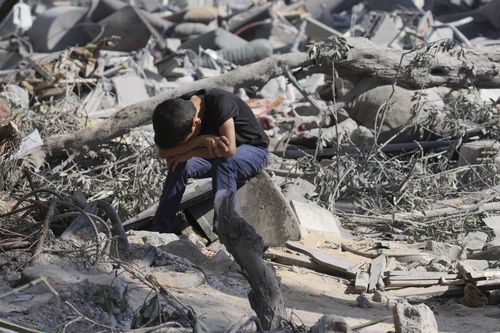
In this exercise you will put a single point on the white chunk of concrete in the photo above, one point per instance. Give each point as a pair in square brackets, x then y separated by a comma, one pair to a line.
[312, 217]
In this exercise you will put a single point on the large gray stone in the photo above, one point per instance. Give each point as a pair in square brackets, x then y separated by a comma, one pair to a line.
[398, 114]
[414, 318]
[261, 203]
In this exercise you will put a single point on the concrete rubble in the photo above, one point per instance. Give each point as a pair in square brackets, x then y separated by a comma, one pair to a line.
[379, 206]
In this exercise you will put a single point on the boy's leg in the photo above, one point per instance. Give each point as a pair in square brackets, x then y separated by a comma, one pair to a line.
[173, 189]
[248, 162]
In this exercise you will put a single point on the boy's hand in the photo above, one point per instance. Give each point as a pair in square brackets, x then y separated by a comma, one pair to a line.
[174, 161]
[218, 145]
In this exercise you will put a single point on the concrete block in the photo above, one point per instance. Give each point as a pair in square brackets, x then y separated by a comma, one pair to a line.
[130, 89]
[312, 217]
[475, 241]
[300, 190]
[414, 318]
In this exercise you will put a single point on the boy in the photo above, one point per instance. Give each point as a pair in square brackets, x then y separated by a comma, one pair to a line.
[210, 133]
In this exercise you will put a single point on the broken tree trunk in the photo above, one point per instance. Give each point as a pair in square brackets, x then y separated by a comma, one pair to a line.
[417, 69]
[365, 64]
[247, 248]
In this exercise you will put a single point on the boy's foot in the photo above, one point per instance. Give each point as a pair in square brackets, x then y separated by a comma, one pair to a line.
[209, 253]
[213, 249]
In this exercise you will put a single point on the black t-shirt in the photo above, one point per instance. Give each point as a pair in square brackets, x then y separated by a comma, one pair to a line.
[220, 106]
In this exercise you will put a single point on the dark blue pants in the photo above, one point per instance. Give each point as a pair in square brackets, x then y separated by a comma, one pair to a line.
[248, 162]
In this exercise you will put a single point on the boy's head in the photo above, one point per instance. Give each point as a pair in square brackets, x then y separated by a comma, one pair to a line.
[174, 121]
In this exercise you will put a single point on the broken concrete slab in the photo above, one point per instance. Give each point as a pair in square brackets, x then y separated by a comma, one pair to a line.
[493, 222]
[130, 90]
[474, 241]
[265, 208]
[453, 252]
[361, 282]
[179, 280]
[299, 190]
[414, 318]
[312, 217]
[152, 238]
[326, 259]
[57, 28]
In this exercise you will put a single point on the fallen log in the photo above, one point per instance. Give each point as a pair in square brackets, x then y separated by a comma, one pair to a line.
[421, 68]
[247, 248]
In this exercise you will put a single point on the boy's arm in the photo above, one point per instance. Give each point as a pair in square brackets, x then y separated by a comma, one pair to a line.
[211, 142]
[227, 134]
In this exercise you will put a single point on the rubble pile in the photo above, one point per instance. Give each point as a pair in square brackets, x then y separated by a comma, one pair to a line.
[379, 206]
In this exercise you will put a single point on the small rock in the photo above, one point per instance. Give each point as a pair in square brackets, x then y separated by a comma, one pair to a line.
[380, 297]
[414, 318]
[435, 267]
[179, 280]
[494, 297]
[473, 297]
[331, 324]
[153, 238]
[364, 302]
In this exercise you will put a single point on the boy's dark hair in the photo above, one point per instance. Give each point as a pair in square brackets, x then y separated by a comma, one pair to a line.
[173, 121]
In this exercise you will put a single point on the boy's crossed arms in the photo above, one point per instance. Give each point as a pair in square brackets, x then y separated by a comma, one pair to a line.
[204, 146]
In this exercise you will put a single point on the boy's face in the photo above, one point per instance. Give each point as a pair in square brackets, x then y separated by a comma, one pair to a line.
[195, 128]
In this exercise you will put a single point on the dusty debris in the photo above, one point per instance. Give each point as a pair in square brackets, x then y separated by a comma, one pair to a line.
[382, 177]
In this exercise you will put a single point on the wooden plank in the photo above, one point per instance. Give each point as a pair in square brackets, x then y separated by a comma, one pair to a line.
[422, 283]
[420, 276]
[348, 248]
[433, 291]
[290, 259]
[324, 259]
[377, 269]
[486, 275]
[489, 284]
